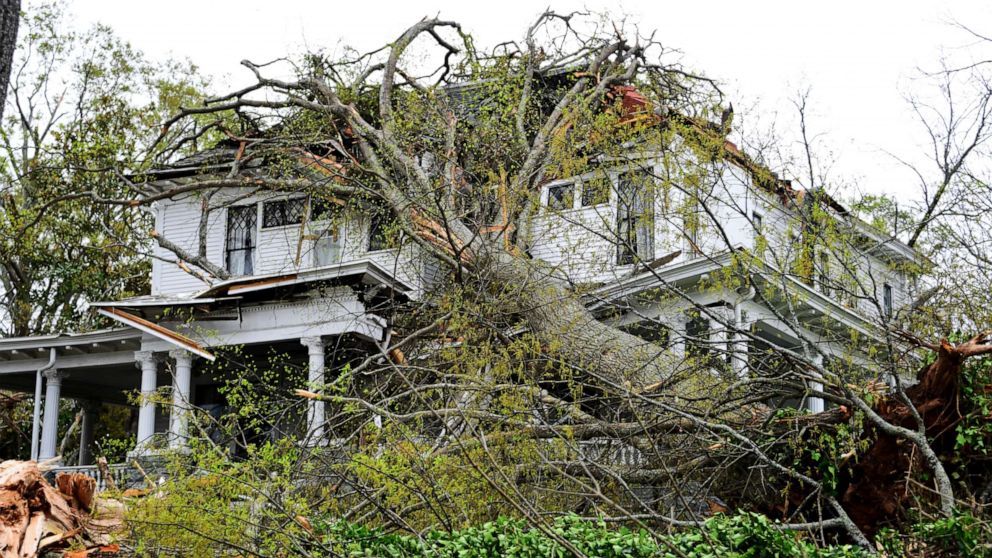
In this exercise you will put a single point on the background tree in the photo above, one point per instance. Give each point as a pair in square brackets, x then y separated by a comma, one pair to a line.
[10, 14]
[81, 107]
[80, 103]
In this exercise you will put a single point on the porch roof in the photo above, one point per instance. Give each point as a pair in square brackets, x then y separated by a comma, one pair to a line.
[363, 271]
[813, 302]
[98, 362]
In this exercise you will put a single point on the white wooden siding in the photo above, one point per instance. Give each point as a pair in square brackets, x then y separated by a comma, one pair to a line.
[179, 221]
[278, 249]
[580, 241]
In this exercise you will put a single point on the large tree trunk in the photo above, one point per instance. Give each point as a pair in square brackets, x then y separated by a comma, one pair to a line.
[10, 14]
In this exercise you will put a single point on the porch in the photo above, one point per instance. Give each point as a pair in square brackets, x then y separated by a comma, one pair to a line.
[170, 342]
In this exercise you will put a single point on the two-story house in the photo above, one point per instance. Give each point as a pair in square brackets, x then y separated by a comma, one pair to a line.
[307, 273]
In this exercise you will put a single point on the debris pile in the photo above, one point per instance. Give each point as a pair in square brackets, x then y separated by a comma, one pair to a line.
[36, 517]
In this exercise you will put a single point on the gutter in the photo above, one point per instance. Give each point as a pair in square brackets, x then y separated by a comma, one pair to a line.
[36, 419]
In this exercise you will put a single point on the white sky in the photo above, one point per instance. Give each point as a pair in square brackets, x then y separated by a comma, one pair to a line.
[858, 58]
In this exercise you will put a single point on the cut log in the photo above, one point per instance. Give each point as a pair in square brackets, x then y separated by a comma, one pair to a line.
[79, 487]
[32, 535]
[35, 516]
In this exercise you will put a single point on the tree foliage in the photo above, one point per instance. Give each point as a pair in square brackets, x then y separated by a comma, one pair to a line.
[83, 107]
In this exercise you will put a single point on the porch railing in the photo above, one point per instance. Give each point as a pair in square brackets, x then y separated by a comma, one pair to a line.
[123, 475]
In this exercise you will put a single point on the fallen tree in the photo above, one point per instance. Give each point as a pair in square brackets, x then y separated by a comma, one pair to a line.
[509, 348]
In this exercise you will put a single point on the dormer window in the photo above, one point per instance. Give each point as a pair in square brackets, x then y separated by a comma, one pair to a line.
[240, 246]
[279, 213]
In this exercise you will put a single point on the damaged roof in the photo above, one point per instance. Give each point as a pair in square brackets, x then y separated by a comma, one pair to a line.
[363, 272]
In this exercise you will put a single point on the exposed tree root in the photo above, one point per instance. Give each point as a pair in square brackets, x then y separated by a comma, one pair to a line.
[880, 488]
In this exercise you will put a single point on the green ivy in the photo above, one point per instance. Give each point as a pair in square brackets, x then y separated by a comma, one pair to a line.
[974, 431]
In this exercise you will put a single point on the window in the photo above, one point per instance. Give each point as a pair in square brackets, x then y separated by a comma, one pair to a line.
[887, 300]
[328, 247]
[756, 220]
[595, 190]
[381, 229]
[561, 196]
[240, 245]
[278, 213]
[651, 331]
[323, 209]
[697, 332]
[635, 220]
[823, 273]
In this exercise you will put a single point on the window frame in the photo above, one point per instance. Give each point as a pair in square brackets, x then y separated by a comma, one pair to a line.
[634, 222]
[887, 300]
[285, 203]
[252, 247]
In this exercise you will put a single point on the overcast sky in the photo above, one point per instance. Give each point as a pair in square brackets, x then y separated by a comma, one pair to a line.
[859, 58]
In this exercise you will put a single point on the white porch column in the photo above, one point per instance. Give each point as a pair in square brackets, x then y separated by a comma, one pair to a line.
[678, 343]
[315, 377]
[180, 398]
[739, 348]
[89, 409]
[50, 424]
[815, 404]
[719, 341]
[149, 383]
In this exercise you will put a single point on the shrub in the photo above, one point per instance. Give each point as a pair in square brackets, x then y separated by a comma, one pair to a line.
[739, 536]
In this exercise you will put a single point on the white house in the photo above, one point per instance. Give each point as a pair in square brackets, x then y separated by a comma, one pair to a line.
[307, 274]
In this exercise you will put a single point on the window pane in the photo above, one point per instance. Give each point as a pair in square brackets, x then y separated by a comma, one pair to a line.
[322, 210]
[294, 210]
[327, 249]
[595, 191]
[561, 196]
[824, 273]
[278, 213]
[697, 331]
[379, 225]
[635, 220]
[274, 213]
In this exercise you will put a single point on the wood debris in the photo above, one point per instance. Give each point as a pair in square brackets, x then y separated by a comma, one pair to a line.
[36, 517]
